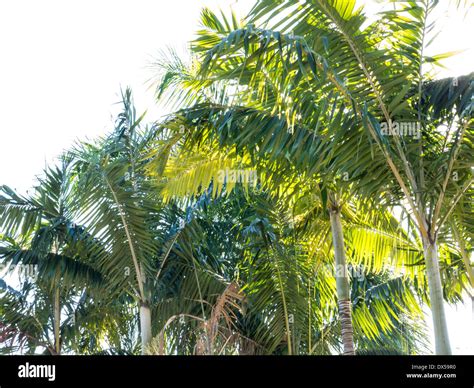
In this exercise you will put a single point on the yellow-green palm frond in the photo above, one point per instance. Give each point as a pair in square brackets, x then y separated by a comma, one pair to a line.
[190, 174]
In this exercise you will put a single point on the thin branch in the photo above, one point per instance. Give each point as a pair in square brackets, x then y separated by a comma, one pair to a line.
[129, 240]
[455, 202]
[454, 153]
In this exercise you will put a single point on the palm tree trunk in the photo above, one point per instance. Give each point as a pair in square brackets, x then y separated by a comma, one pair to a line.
[145, 325]
[440, 326]
[342, 282]
[57, 322]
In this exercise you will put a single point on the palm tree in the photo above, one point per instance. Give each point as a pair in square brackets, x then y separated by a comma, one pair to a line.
[177, 74]
[342, 279]
[288, 305]
[40, 234]
[328, 72]
[118, 207]
[192, 170]
[230, 270]
[146, 243]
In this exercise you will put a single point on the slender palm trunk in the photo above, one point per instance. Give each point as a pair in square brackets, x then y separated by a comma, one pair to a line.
[57, 322]
[145, 325]
[342, 282]
[440, 326]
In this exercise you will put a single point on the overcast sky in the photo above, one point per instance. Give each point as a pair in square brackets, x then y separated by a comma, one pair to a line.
[63, 63]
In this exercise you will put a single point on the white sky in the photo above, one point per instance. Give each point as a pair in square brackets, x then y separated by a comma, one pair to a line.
[62, 65]
[63, 62]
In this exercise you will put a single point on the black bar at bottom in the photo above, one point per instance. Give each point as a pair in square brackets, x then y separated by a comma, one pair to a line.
[133, 371]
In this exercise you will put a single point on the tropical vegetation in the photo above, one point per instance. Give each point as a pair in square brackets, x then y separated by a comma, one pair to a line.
[310, 193]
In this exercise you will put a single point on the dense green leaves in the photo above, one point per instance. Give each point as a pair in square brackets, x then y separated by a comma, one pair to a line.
[216, 218]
